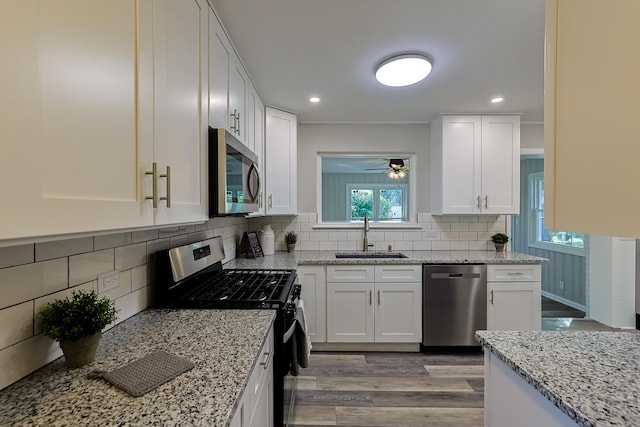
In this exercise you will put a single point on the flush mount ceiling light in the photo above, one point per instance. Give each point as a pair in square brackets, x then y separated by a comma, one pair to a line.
[403, 70]
[314, 99]
[497, 100]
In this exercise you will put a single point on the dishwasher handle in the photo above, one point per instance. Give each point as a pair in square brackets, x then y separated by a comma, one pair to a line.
[453, 276]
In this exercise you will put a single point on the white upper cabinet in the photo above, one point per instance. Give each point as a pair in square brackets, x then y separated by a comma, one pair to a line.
[475, 162]
[180, 108]
[256, 142]
[281, 162]
[78, 103]
[220, 52]
[238, 83]
[590, 116]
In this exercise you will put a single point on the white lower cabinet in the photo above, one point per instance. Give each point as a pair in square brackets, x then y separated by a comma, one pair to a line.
[313, 280]
[381, 304]
[256, 405]
[514, 297]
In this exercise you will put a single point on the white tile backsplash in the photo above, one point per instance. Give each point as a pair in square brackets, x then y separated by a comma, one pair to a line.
[20, 317]
[86, 267]
[27, 282]
[130, 256]
[62, 248]
[16, 255]
[27, 286]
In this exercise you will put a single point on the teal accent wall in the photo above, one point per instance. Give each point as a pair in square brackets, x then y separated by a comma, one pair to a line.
[570, 269]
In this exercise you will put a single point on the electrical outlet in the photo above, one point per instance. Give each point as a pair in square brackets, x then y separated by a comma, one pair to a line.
[561, 284]
[108, 281]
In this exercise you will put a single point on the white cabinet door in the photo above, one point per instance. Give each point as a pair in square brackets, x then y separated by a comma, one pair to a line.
[238, 83]
[313, 280]
[588, 169]
[180, 108]
[259, 144]
[398, 315]
[500, 164]
[461, 145]
[220, 52]
[68, 118]
[259, 393]
[514, 306]
[350, 312]
[281, 162]
[476, 165]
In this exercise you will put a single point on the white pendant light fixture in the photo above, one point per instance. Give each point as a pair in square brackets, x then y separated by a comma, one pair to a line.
[403, 70]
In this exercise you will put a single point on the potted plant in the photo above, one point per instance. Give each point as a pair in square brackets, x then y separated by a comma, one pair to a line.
[77, 323]
[290, 239]
[499, 240]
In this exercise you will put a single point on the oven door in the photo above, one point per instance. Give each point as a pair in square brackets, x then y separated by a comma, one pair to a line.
[234, 178]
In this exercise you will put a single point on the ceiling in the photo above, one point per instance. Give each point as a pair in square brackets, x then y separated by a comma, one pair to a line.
[295, 49]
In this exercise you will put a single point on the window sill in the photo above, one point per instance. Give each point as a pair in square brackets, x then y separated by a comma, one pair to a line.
[372, 225]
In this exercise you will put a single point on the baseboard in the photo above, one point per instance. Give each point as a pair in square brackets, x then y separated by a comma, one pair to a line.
[565, 301]
[408, 348]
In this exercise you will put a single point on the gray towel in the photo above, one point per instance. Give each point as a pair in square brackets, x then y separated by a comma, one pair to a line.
[143, 375]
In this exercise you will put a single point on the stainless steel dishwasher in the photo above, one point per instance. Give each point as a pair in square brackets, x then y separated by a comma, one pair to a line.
[454, 304]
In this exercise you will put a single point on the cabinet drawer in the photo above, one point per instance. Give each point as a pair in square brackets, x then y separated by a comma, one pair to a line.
[398, 273]
[258, 375]
[350, 273]
[513, 273]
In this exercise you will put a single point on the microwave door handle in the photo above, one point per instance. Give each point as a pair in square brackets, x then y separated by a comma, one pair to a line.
[253, 170]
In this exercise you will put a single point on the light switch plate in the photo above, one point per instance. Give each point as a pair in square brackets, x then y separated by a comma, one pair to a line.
[108, 281]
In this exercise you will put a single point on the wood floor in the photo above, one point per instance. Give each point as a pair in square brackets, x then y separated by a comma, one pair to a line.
[391, 389]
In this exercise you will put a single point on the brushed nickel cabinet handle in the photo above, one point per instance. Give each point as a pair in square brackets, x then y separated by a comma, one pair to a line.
[478, 202]
[154, 184]
[168, 176]
[238, 125]
[270, 201]
[370, 300]
[378, 296]
[265, 362]
[486, 202]
[491, 299]
[233, 127]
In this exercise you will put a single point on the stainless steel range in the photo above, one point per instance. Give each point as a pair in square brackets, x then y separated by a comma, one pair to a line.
[192, 276]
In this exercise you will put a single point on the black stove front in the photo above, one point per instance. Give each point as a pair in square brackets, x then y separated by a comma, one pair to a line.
[192, 276]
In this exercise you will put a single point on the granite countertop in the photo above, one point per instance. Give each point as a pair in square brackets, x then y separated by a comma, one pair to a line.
[293, 259]
[223, 345]
[593, 377]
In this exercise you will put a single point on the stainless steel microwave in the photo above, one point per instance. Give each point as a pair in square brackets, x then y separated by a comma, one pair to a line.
[234, 178]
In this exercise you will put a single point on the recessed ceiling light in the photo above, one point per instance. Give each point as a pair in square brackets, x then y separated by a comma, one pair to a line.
[403, 70]
[314, 99]
[497, 99]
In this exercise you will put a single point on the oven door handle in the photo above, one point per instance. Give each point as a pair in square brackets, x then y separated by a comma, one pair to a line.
[265, 362]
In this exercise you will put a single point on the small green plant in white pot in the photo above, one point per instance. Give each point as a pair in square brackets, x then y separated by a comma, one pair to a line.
[77, 323]
[290, 238]
[499, 240]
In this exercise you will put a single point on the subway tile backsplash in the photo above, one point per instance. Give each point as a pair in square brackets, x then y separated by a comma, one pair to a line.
[33, 275]
[432, 232]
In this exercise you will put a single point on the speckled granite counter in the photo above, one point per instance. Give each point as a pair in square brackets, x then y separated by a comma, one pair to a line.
[593, 377]
[293, 259]
[223, 345]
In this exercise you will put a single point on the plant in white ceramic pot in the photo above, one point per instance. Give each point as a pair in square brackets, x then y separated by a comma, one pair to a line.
[499, 240]
[77, 323]
[290, 239]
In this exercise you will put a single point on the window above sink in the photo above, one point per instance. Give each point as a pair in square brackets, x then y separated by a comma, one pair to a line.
[382, 186]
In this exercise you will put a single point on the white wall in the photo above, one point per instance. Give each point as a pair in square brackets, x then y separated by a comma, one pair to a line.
[612, 281]
[531, 136]
[360, 138]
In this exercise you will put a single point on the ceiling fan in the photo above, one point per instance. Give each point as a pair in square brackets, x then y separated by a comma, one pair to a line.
[396, 170]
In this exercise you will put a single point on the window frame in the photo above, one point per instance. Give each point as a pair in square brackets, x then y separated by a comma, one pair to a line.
[376, 188]
[412, 212]
[533, 181]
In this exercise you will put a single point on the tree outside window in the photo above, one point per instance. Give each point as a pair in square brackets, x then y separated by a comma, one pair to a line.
[378, 202]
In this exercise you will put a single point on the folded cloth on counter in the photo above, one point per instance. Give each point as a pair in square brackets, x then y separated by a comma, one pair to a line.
[143, 375]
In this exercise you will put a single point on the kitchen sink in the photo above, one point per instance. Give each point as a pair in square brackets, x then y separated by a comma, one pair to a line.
[370, 255]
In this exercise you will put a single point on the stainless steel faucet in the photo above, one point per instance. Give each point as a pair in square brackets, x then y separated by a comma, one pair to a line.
[365, 246]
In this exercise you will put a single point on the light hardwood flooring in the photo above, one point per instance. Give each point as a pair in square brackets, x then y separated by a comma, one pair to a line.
[391, 389]
[400, 389]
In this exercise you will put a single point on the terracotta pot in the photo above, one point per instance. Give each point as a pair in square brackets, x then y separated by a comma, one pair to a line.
[81, 351]
[291, 247]
[499, 247]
